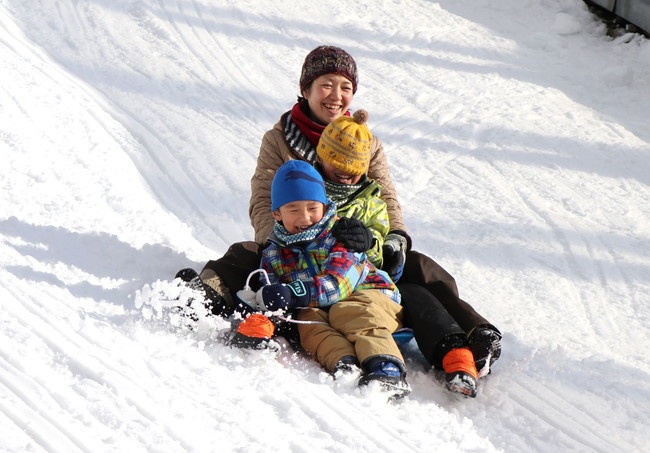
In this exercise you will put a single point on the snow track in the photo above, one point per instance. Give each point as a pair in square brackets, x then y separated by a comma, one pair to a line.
[129, 131]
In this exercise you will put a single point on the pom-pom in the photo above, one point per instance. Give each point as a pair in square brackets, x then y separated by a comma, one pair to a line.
[360, 116]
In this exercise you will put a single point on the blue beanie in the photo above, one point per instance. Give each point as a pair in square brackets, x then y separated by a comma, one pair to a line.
[296, 180]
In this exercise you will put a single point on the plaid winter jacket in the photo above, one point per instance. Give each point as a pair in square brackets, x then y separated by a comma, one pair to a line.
[330, 271]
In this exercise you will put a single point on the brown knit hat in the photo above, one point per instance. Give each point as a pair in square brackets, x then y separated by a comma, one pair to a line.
[345, 143]
[328, 60]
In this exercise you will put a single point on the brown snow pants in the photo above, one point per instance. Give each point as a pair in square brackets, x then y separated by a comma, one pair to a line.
[360, 326]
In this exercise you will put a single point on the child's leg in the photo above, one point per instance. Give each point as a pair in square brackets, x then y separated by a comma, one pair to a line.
[321, 340]
[424, 271]
[368, 319]
[436, 332]
[440, 338]
[484, 337]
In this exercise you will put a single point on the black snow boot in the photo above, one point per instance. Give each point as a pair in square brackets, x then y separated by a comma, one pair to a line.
[214, 302]
[485, 343]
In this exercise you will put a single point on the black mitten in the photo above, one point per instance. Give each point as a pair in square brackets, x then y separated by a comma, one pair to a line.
[353, 234]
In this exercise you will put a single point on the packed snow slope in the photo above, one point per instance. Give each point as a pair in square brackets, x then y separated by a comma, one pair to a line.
[517, 133]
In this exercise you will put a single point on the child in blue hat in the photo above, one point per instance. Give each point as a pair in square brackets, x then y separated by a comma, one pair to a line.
[357, 304]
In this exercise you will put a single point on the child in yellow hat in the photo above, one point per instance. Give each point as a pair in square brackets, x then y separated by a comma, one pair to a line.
[343, 159]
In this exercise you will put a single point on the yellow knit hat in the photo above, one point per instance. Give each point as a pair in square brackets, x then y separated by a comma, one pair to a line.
[345, 143]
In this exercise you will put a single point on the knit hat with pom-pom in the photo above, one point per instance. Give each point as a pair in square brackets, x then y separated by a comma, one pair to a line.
[328, 60]
[345, 143]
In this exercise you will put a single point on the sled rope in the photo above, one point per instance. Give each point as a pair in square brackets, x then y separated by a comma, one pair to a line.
[298, 321]
[247, 286]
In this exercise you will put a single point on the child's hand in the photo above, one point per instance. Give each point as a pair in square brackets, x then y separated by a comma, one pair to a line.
[394, 252]
[279, 296]
[353, 234]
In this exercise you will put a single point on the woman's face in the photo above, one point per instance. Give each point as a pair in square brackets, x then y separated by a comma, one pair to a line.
[329, 97]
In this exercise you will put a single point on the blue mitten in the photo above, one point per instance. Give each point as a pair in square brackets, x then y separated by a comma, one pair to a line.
[283, 297]
[394, 251]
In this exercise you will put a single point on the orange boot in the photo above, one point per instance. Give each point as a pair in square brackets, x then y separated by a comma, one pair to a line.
[253, 332]
[460, 371]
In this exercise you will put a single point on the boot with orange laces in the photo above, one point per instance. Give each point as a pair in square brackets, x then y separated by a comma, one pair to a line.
[460, 371]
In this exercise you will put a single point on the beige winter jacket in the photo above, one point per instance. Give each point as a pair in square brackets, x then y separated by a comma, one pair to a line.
[275, 151]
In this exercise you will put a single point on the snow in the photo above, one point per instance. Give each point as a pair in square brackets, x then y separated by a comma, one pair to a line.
[518, 139]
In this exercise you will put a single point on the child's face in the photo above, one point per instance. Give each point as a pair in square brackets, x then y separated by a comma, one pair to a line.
[335, 175]
[297, 216]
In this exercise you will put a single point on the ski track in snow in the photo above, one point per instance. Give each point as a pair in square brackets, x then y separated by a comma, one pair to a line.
[151, 115]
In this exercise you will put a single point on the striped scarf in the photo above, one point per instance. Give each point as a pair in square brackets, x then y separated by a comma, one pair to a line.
[342, 194]
[301, 133]
[284, 238]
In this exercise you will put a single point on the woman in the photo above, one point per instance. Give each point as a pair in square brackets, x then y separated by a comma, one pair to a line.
[328, 82]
